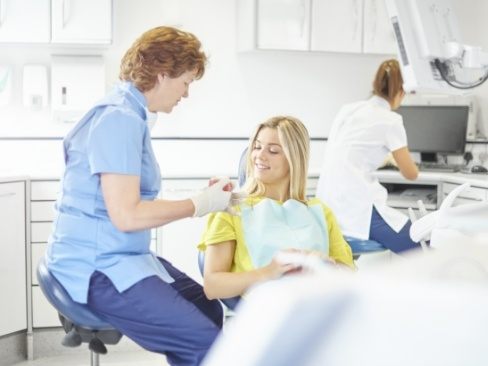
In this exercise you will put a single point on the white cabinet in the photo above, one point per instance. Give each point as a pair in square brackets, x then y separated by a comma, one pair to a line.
[179, 239]
[378, 36]
[81, 21]
[353, 26]
[283, 24]
[13, 303]
[43, 197]
[56, 21]
[337, 25]
[273, 24]
[25, 21]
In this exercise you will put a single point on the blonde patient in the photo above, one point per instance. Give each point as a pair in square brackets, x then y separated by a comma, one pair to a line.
[240, 250]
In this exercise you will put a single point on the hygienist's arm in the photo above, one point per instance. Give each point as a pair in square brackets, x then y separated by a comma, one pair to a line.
[129, 213]
[220, 283]
[405, 163]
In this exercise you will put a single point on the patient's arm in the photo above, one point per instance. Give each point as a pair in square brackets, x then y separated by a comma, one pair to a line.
[221, 283]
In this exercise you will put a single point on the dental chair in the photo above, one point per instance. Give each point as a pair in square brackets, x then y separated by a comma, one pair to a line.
[363, 246]
[79, 323]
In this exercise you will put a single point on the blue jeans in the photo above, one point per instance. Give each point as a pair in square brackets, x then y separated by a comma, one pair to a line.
[381, 232]
[173, 319]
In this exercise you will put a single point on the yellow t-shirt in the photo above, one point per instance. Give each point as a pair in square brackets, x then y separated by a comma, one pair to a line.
[222, 227]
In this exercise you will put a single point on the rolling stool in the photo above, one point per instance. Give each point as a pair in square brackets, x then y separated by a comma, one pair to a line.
[79, 323]
[363, 246]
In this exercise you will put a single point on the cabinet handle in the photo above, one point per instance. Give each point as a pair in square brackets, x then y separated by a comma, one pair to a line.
[8, 194]
[356, 19]
[66, 11]
[3, 8]
[302, 25]
[374, 16]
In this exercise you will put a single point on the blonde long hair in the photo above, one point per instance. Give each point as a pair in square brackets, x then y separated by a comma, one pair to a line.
[295, 141]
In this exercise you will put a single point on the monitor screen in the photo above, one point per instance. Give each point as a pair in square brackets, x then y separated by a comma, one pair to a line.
[435, 129]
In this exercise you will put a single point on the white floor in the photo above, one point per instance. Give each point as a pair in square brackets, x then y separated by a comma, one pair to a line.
[113, 358]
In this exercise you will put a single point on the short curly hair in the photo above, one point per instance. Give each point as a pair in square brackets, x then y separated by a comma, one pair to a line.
[161, 50]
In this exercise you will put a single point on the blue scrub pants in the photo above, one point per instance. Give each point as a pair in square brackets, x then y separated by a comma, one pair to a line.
[381, 232]
[173, 319]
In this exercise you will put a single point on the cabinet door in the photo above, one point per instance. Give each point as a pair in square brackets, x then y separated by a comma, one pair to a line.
[179, 239]
[337, 25]
[25, 21]
[13, 305]
[82, 21]
[378, 36]
[283, 24]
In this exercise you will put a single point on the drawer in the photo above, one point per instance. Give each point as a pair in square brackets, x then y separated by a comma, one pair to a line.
[40, 231]
[471, 194]
[37, 252]
[45, 190]
[42, 211]
[43, 313]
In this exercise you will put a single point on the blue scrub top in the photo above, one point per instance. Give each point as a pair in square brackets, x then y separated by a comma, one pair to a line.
[113, 137]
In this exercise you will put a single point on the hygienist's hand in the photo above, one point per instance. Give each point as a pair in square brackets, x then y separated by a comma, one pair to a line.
[213, 198]
[228, 187]
[236, 197]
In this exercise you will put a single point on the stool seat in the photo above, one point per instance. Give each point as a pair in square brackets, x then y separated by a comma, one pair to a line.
[363, 246]
[79, 323]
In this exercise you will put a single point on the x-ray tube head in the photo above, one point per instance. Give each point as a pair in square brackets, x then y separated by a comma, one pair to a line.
[429, 46]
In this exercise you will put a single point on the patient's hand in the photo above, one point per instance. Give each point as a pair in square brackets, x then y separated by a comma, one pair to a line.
[277, 268]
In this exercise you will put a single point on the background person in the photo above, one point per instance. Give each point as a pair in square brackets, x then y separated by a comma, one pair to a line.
[360, 139]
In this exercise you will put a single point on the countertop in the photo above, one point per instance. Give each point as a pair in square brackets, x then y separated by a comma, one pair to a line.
[476, 180]
[13, 178]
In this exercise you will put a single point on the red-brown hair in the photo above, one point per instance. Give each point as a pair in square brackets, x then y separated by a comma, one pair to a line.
[161, 50]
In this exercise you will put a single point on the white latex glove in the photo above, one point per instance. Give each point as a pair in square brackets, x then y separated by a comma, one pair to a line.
[212, 198]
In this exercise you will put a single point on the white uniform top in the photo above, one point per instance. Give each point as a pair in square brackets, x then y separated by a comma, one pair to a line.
[359, 141]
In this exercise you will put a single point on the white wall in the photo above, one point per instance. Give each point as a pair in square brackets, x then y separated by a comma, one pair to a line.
[239, 89]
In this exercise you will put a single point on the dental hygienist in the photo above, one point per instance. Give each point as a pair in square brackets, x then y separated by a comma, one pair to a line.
[99, 249]
[360, 139]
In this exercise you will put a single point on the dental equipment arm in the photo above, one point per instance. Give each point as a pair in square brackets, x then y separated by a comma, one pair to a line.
[430, 49]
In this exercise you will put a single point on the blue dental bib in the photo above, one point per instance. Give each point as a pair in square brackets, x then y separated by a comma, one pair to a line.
[270, 227]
